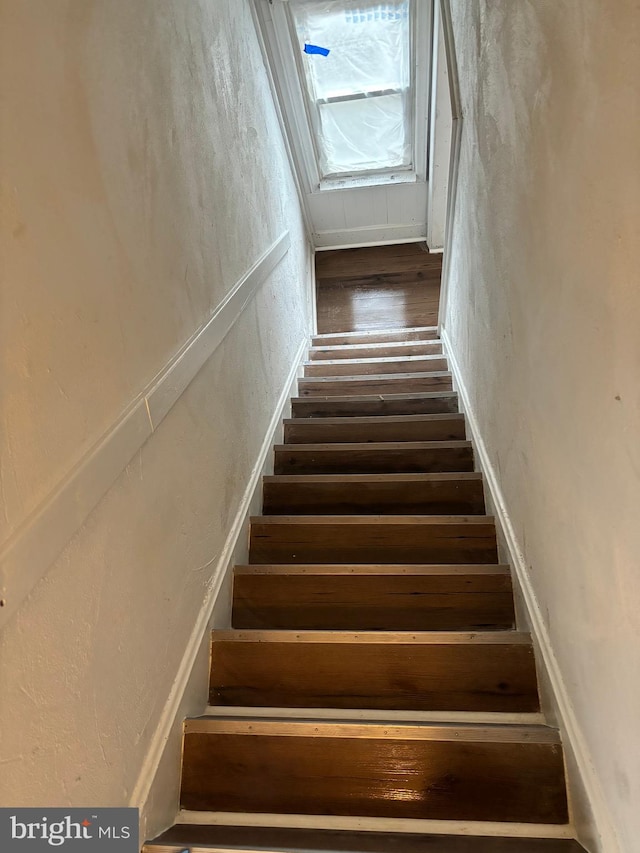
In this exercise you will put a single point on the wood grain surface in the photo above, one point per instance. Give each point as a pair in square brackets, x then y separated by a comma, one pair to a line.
[360, 598]
[376, 539]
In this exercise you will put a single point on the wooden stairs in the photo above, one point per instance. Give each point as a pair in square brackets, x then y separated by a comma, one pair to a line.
[373, 693]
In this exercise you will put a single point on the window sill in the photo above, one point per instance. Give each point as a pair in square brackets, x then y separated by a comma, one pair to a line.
[378, 180]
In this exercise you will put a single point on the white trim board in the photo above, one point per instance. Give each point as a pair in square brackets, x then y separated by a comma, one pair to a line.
[256, 15]
[29, 552]
[168, 719]
[568, 722]
[454, 156]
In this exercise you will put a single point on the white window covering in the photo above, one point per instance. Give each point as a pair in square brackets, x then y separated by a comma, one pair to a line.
[359, 95]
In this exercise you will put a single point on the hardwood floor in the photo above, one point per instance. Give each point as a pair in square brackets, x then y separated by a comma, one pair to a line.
[377, 288]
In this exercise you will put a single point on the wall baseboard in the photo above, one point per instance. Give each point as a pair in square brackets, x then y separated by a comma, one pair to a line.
[29, 551]
[568, 723]
[371, 235]
[234, 548]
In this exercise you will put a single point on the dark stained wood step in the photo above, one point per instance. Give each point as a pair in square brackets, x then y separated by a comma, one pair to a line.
[374, 457]
[376, 366]
[373, 494]
[293, 840]
[446, 772]
[436, 427]
[415, 333]
[429, 402]
[373, 539]
[402, 671]
[384, 350]
[373, 597]
[394, 383]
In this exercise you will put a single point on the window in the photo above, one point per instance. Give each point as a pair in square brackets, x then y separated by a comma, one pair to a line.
[358, 96]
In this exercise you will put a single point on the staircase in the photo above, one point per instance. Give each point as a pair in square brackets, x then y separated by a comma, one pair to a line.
[373, 693]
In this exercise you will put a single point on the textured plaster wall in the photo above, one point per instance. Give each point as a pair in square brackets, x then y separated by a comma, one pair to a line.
[544, 317]
[143, 173]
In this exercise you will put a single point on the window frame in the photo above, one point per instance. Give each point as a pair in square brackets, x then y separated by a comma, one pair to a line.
[280, 41]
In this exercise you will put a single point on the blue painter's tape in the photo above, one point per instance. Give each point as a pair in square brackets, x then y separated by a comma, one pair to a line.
[313, 48]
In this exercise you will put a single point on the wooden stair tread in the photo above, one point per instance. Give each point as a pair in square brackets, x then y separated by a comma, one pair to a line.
[451, 772]
[398, 365]
[372, 378]
[433, 417]
[383, 716]
[385, 359]
[265, 839]
[376, 384]
[379, 521]
[374, 569]
[409, 333]
[433, 477]
[377, 445]
[370, 350]
[407, 639]
[368, 730]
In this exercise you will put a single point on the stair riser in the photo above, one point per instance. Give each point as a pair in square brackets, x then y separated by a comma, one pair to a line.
[373, 602]
[371, 543]
[296, 459]
[401, 385]
[375, 367]
[391, 676]
[323, 431]
[449, 497]
[374, 777]
[373, 406]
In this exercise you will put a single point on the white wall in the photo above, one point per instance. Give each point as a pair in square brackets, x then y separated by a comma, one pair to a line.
[143, 174]
[543, 318]
[392, 213]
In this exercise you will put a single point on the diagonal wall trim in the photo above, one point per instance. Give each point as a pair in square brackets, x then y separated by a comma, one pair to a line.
[28, 553]
[569, 725]
[454, 157]
[176, 376]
